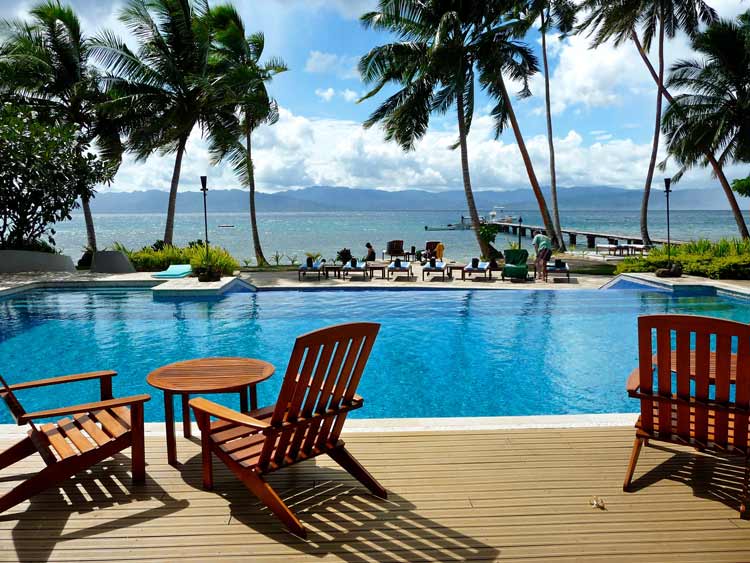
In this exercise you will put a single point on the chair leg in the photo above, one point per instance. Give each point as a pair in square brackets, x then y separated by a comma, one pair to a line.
[17, 452]
[633, 461]
[137, 444]
[204, 424]
[346, 460]
[265, 493]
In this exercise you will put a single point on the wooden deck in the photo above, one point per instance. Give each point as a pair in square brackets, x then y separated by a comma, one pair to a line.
[482, 496]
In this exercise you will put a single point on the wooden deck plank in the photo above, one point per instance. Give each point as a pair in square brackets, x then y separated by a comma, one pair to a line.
[508, 495]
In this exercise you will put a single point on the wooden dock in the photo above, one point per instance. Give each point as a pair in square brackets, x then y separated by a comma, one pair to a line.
[510, 495]
[573, 234]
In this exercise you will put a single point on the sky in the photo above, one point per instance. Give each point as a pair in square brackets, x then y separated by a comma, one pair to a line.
[602, 100]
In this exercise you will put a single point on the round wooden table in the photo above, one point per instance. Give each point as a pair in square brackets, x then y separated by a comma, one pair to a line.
[203, 376]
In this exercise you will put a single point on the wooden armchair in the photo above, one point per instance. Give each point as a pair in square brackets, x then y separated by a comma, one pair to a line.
[94, 432]
[694, 387]
[316, 395]
[395, 249]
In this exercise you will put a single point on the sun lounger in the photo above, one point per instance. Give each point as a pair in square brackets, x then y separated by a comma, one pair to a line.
[318, 392]
[394, 249]
[316, 268]
[360, 268]
[402, 268]
[175, 271]
[482, 268]
[516, 264]
[87, 434]
[694, 391]
[438, 268]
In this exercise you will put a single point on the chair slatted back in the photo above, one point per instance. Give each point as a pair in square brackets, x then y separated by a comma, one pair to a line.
[12, 402]
[320, 382]
[395, 247]
[701, 382]
[431, 245]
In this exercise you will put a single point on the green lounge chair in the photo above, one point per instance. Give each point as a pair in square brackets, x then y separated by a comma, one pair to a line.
[515, 264]
[174, 272]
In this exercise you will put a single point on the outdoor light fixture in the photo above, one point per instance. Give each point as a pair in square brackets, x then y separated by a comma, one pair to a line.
[667, 191]
[204, 189]
[520, 224]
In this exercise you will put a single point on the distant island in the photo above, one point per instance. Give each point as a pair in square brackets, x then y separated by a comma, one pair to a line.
[329, 198]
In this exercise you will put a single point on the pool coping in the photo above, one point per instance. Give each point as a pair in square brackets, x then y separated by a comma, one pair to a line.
[453, 424]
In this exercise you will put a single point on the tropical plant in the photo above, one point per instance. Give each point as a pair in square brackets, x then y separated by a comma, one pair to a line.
[44, 62]
[163, 90]
[343, 255]
[277, 257]
[657, 18]
[44, 169]
[242, 80]
[713, 114]
[560, 15]
[149, 259]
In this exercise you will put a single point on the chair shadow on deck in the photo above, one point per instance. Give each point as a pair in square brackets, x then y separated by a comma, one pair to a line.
[41, 527]
[343, 518]
[710, 476]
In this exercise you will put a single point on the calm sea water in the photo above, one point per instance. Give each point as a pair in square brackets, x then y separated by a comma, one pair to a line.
[294, 234]
[439, 353]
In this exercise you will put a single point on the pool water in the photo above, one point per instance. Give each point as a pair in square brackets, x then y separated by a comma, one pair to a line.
[439, 353]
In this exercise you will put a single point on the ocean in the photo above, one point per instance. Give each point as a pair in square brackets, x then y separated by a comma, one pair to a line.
[294, 234]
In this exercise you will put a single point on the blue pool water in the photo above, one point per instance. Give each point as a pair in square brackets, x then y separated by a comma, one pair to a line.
[439, 353]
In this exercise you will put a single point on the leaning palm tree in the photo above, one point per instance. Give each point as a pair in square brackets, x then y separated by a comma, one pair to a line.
[659, 19]
[44, 62]
[163, 89]
[242, 80]
[560, 15]
[712, 116]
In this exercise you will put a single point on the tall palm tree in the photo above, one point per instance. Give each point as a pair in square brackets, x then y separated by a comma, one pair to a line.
[662, 19]
[713, 114]
[560, 15]
[45, 62]
[163, 89]
[242, 79]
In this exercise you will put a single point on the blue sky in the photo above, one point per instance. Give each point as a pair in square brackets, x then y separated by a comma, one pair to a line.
[602, 100]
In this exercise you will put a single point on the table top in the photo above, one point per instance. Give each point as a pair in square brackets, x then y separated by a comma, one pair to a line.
[377, 265]
[210, 375]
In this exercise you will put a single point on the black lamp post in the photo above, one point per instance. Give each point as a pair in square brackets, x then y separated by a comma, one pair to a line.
[520, 226]
[204, 189]
[667, 191]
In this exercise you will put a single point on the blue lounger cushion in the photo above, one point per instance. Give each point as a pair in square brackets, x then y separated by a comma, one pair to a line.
[404, 266]
[315, 267]
[359, 266]
[480, 268]
[175, 271]
[438, 266]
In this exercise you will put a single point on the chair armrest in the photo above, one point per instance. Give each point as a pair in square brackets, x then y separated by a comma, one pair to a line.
[86, 407]
[634, 381]
[62, 379]
[216, 410]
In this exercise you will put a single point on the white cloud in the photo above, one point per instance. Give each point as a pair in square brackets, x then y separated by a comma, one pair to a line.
[342, 66]
[349, 9]
[325, 94]
[349, 95]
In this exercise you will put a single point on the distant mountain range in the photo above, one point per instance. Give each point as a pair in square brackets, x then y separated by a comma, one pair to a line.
[327, 198]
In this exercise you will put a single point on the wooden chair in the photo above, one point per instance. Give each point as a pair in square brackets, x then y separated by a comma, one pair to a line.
[95, 432]
[394, 249]
[694, 387]
[316, 395]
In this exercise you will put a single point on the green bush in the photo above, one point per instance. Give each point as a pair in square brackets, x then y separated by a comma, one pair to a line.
[149, 259]
[724, 259]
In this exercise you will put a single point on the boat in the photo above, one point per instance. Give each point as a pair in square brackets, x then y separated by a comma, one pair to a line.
[498, 215]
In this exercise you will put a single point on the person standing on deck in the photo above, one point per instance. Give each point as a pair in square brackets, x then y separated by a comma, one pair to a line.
[543, 247]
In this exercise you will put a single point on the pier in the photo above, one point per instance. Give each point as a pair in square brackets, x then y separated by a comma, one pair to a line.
[573, 234]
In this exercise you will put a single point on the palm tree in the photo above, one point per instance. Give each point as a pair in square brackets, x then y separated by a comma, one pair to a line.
[44, 62]
[242, 79]
[560, 15]
[657, 18]
[712, 116]
[164, 89]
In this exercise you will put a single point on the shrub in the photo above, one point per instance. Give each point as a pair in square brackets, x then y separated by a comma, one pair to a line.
[149, 259]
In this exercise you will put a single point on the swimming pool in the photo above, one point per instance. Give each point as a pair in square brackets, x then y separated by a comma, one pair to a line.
[439, 353]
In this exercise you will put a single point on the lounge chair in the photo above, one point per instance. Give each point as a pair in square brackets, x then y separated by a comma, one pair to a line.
[481, 268]
[516, 264]
[316, 268]
[175, 271]
[360, 268]
[403, 267]
[94, 432]
[438, 268]
[305, 422]
[698, 397]
[395, 249]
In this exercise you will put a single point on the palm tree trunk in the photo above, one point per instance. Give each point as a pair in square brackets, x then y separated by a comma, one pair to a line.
[259, 258]
[89, 219]
[718, 171]
[551, 142]
[484, 246]
[169, 228]
[541, 202]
